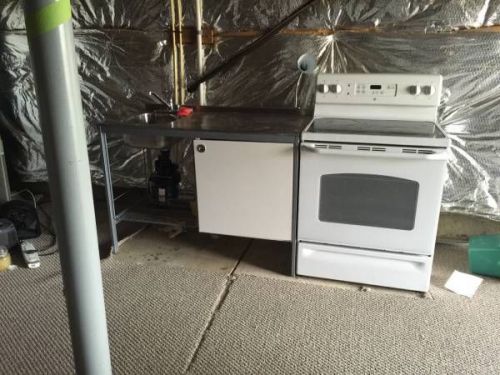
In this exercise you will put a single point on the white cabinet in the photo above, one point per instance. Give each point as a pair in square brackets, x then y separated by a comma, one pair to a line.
[245, 188]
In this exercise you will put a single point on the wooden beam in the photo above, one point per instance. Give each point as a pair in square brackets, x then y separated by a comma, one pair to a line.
[211, 36]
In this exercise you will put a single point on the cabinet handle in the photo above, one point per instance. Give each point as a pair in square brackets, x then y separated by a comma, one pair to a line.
[200, 148]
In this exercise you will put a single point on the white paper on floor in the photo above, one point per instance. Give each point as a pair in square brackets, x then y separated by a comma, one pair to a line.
[463, 283]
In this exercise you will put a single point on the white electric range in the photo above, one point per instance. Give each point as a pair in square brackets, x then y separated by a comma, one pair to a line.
[373, 163]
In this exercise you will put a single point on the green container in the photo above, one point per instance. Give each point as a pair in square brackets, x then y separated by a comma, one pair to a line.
[484, 255]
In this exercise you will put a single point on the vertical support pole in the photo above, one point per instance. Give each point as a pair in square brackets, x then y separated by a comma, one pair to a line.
[52, 51]
[182, 68]
[202, 91]
[173, 17]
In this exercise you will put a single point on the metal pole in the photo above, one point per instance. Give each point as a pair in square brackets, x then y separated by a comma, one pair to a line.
[182, 68]
[52, 50]
[200, 52]
[108, 184]
[5, 193]
[173, 17]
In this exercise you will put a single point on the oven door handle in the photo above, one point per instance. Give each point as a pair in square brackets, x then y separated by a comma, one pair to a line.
[440, 155]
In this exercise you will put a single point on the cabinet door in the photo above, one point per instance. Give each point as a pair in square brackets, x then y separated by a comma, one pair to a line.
[245, 188]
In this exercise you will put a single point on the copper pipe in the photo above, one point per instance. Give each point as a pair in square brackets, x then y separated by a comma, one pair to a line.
[254, 33]
[202, 93]
[174, 51]
[182, 69]
[326, 32]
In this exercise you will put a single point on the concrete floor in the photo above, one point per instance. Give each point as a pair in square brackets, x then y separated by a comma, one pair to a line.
[242, 256]
[460, 227]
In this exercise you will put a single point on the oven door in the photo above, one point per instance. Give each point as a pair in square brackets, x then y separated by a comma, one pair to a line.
[370, 199]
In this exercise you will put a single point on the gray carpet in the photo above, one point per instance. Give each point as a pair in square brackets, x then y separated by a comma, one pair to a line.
[284, 327]
[158, 317]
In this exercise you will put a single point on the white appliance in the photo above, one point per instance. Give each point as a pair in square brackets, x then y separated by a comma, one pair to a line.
[372, 168]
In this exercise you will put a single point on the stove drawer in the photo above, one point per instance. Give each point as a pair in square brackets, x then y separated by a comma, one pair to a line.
[394, 270]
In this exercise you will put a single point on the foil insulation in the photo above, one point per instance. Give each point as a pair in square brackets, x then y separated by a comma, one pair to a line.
[118, 65]
[124, 52]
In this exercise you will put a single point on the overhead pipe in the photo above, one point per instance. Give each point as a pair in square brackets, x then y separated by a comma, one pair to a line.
[52, 50]
[257, 43]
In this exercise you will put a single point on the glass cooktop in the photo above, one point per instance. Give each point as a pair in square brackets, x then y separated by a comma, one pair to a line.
[376, 127]
[378, 131]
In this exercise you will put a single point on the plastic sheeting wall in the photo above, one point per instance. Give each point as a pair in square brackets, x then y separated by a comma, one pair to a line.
[122, 55]
[124, 52]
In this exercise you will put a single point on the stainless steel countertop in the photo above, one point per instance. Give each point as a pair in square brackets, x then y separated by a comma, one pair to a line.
[259, 125]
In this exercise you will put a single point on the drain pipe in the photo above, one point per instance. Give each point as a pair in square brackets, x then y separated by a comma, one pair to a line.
[52, 50]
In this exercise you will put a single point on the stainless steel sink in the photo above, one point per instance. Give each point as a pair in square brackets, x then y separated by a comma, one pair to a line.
[150, 141]
[153, 117]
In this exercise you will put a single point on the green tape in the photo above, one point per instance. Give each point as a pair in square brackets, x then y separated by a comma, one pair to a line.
[49, 17]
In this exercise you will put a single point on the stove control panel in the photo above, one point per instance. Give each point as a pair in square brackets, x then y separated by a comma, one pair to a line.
[383, 89]
[408, 97]
[377, 89]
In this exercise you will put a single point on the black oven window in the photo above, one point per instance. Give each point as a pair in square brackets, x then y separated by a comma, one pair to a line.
[370, 200]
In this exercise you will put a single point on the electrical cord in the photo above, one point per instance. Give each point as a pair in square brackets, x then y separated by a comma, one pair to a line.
[26, 191]
[49, 230]
[297, 91]
[49, 219]
[48, 247]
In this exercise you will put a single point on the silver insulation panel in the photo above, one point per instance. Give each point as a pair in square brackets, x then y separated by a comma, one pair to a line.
[124, 52]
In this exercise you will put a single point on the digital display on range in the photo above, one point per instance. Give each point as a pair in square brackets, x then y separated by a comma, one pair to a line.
[375, 87]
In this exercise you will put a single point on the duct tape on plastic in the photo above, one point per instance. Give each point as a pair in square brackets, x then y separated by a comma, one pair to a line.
[48, 17]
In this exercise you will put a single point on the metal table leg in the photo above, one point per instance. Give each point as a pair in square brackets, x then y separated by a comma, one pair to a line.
[108, 183]
[295, 204]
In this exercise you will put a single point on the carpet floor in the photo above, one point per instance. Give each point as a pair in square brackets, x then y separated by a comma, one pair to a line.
[167, 319]
[156, 316]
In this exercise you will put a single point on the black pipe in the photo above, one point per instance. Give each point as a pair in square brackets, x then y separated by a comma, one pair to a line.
[193, 86]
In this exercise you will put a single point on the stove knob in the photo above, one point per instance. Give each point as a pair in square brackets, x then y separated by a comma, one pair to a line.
[336, 89]
[414, 90]
[322, 88]
[428, 90]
